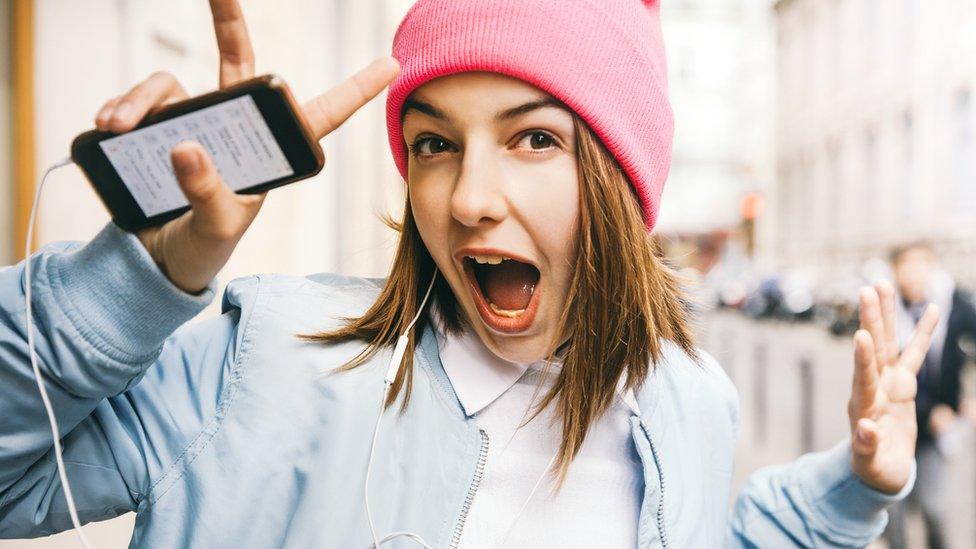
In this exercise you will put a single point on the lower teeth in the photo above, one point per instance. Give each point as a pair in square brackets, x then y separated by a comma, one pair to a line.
[505, 312]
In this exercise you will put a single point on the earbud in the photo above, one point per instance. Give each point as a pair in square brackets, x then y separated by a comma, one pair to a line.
[395, 361]
[401, 345]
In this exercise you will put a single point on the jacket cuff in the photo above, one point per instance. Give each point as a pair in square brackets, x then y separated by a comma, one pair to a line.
[846, 504]
[118, 299]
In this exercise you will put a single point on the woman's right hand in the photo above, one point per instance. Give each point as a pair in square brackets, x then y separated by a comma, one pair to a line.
[192, 248]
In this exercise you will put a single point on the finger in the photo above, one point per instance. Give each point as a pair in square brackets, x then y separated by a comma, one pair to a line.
[133, 106]
[167, 102]
[914, 353]
[233, 42]
[251, 199]
[901, 385]
[865, 370]
[328, 111]
[217, 212]
[871, 321]
[103, 115]
[886, 294]
[865, 438]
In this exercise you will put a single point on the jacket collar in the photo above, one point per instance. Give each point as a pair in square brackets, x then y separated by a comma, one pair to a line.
[479, 377]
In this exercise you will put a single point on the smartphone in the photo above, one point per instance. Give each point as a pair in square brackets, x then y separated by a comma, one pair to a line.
[252, 131]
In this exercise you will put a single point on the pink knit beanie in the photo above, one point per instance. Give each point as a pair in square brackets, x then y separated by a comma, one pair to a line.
[602, 58]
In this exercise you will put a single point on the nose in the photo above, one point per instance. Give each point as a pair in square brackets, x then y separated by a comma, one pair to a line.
[478, 196]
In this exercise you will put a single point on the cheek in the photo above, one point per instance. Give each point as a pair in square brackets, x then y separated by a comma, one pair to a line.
[550, 208]
[556, 226]
[428, 202]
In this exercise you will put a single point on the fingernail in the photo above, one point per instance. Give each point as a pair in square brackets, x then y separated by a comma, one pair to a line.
[122, 111]
[187, 162]
[862, 436]
[102, 114]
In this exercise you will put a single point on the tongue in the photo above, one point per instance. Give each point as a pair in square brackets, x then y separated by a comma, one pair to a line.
[509, 285]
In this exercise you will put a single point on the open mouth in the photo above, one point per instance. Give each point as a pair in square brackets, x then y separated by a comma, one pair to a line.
[505, 290]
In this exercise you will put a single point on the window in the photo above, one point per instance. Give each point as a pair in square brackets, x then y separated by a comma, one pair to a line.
[906, 174]
[870, 33]
[909, 11]
[785, 206]
[806, 197]
[964, 154]
[835, 189]
[687, 63]
[869, 180]
[835, 36]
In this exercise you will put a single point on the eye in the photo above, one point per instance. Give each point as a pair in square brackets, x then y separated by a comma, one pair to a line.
[429, 146]
[539, 140]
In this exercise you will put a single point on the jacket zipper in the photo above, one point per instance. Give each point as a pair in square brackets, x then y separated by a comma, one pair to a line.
[661, 530]
[479, 472]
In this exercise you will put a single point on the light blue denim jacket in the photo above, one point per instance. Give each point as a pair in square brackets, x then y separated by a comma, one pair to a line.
[231, 432]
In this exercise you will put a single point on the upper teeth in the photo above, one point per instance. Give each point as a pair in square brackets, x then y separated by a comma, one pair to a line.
[489, 259]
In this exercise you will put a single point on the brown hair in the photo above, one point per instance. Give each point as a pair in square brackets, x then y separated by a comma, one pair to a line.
[896, 253]
[622, 292]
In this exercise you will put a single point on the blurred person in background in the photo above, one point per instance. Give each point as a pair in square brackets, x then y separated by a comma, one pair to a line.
[920, 280]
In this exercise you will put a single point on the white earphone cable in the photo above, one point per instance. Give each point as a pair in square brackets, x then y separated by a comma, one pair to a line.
[33, 355]
[398, 351]
[525, 504]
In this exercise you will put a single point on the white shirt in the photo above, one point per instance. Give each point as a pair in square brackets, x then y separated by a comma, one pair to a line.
[599, 502]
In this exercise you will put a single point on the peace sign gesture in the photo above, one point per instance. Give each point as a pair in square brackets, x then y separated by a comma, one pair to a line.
[324, 113]
[882, 405]
[192, 248]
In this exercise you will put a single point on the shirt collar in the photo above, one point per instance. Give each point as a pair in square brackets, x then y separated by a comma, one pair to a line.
[479, 376]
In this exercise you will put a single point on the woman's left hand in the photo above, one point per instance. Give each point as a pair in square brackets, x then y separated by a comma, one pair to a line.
[882, 405]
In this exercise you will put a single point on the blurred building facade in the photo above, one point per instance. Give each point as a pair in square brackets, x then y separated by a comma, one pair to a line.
[875, 132]
[721, 56]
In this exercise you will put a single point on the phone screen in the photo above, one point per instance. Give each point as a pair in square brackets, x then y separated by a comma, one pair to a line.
[234, 134]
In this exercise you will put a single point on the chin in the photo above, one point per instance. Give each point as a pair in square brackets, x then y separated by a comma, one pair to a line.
[523, 349]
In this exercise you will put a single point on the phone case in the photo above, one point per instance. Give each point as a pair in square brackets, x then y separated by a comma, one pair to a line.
[280, 111]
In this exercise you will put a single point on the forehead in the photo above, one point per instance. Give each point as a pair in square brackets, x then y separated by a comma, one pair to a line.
[465, 81]
[916, 255]
[473, 94]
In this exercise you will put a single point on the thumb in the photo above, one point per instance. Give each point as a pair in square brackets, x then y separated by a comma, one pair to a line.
[217, 213]
[198, 178]
[865, 440]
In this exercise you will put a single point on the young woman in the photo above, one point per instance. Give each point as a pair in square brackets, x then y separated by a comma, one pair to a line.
[548, 394]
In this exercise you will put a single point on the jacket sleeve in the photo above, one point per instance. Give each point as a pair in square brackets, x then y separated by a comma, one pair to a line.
[129, 393]
[966, 299]
[815, 501]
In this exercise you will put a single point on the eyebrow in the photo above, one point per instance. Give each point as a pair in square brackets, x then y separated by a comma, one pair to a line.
[507, 114]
